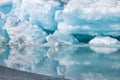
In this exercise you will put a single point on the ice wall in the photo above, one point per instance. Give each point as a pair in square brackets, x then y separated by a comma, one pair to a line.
[62, 21]
[95, 17]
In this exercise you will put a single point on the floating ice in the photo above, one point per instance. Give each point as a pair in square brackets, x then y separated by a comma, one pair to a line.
[62, 22]
[91, 17]
[61, 38]
[106, 42]
[5, 6]
[23, 32]
[39, 12]
[39, 21]
[101, 40]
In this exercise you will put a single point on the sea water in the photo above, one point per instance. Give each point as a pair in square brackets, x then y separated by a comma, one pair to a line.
[70, 62]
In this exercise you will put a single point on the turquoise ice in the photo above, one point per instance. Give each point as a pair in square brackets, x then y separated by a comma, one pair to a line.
[72, 39]
[78, 19]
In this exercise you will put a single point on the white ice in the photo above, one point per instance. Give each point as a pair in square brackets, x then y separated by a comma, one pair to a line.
[42, 20]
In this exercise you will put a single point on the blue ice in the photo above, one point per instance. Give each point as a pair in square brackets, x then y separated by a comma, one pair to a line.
[63, 21]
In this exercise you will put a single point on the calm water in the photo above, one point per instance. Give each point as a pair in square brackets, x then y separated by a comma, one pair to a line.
[75, 63]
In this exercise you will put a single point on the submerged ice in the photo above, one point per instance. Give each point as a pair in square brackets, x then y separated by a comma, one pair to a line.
[59, 21]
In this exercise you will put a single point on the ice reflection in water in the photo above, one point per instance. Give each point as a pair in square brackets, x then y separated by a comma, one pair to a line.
[75, 63]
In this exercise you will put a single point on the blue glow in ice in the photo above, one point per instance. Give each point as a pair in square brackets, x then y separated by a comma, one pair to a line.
[69, 21]
[6, 8]
[81, 38]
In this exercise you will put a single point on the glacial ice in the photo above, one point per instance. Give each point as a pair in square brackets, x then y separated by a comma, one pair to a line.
[23, 32]
[61, 38]
[101, 40]
[91, 17]
[39, 12]
[5, 6]
[62, 22]
[59, 21]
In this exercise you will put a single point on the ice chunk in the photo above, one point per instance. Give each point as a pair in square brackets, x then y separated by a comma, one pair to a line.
[73, 29]
[23, 32]
[5, 6]
[102, 40]
[39, 12]
[91, 17]
[92, 9]
[61, 38]
[58, 18]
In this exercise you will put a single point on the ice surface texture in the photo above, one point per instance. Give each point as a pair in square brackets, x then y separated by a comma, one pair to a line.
[58, 21]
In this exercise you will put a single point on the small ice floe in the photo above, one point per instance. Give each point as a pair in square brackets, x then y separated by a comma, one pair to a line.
[102, 44]
[102, 40]
[59, 38]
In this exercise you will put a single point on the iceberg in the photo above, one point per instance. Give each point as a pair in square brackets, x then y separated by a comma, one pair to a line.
[23, 32]
[91, 17]
[102, 40]
[39, 12]
[62, 21]
[5, 6]
[72, 39]
[61, 38]
[110, 44]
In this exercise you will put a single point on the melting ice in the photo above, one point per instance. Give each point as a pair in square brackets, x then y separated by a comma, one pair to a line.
[60, 21]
